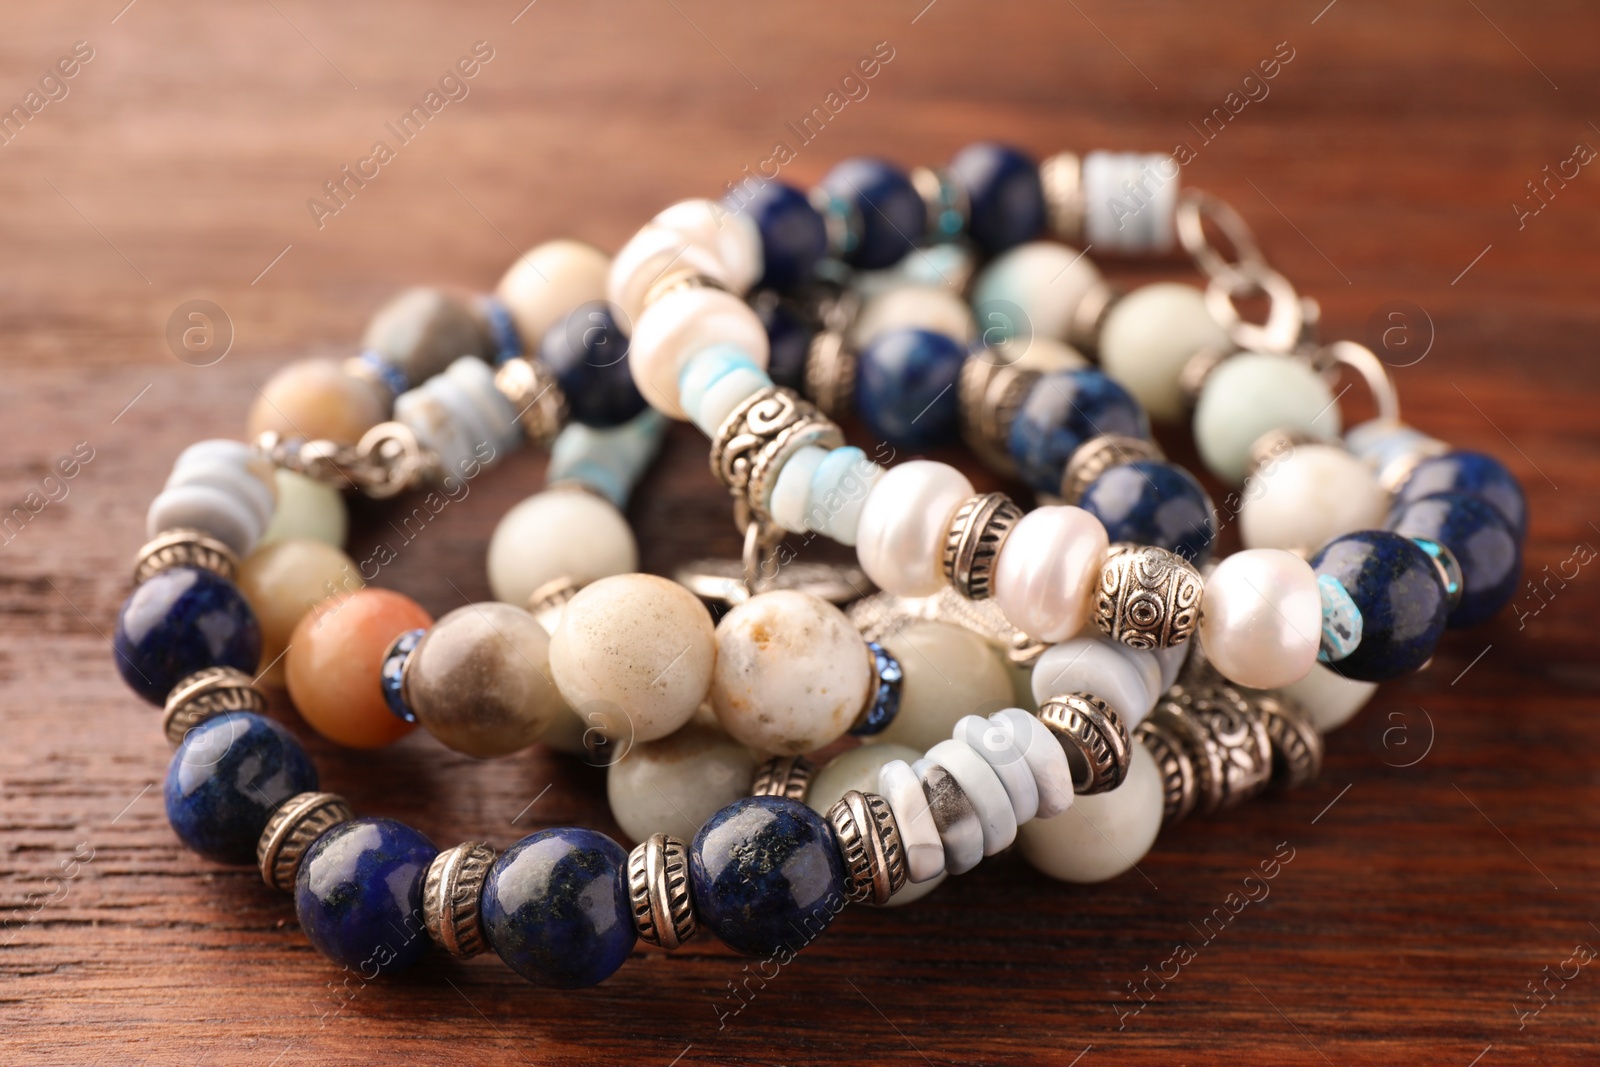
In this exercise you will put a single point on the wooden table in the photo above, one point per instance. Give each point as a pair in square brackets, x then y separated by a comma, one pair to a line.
[1447, 860]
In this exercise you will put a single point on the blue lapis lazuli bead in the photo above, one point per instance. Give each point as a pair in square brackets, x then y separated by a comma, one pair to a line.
[789, 335]
[906, 388]
[588, 354]
[179, 621]
[1484, 545]
[1153, 502]
[505, 338]
[226, 779]
[888, 207]
[358, 895]
[1005, 199]
[1341, 620]
[555, 908]
[1474, 474]
[793, 236]
[767, 875]
[886, 698]
[1402, 599]
[392, 674]
[1062, 411]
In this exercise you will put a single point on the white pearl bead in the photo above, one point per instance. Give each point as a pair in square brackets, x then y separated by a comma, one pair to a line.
[1104, 834]
[651, 254]
[1249, 394]
[1095, 666]
[680, 324]
[982, 786]
[307, 510]
[559, 533]
[1147, 338]
[791, 673]
[1329, 698]
[1006, 753]
[1048, 570]
[902, 788]
[1046, 759]
[1045, 280]
[1303, 500]
[1261, 618]
[914, 307]
[901, 531]
[734, 236]
[544, 286]
[949, 672]
[672, 786]
[638, 651]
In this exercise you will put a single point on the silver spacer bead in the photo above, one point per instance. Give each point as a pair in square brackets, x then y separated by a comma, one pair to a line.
[1296, 744]
[990, 391]
[658, 890]
[1148, 598]
[869, 840]
[756, 439]
[298, 822]
[830, 373]
[451, 898]
[541, 405]
[1095, 739]
[1083, 329]
[1062, 178]
[184, 548]
[784, 776]
[682, 278]
[1226, 739]
[1197, 370]
[973, 540]
[1099, 454]
[1179, 785]
[545, 602]
[204, 695]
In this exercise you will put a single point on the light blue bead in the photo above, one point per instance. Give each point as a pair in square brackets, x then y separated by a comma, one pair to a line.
[609, 461]
[839, 488]
[705, 368]
[724, 395]
[1341, 620]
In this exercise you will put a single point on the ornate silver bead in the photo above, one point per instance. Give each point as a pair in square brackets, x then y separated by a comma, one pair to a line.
[972, 542]
[784, 776]
[757, 438]
[1148, 598]
[541, 405]
[184, 548]
[990, 391]
[1296, 744]
[1225, 738]
[830, 373]
[869, 840]
[1095, 739]
[1099, 454]
[204, 695]
[1197, 370]
[298, 822]
[451, 898]
[658, 890]
[1179, 787]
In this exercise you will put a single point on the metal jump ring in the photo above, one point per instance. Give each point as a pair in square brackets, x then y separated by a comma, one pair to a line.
[1365, 363]
[1285, 315]
[760, 549]
[1194, 207]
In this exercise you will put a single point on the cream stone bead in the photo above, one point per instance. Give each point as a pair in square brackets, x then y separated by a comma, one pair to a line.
[1097, 666]
[1048, 570]
[914, 307]
[1149, 335]
[860, 769]
[559, 533]
[1252, 393]
[652, 254]
[1328, 697]
[315, 399]
[1046, 759]
[282, 582]
[734, 236]
[307, 510]
[673, 785]
[1102, 835]
[636, 652]
[544, 286]
[791, 675]
[681, 324]
[949, 672]
[1303, 500]
[1261, 618]
[901, 531]
[1045, 280]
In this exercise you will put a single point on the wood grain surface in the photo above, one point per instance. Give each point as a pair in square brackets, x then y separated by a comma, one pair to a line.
[1447, 862]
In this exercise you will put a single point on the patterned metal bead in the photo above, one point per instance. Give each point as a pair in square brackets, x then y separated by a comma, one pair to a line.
[869, 841]
[1179, 786]
[541, 405]
[972, 543]
[184, 548]
[784, 776]
[760, 434]
[451, 898]
[392, 674]
[989, 393]
[1062, 178]
[885, 702]
[298, 822]
[658, 889]
[1227, 741]
[1099, 454]
[830, 373]
[205, 695]
[1149, 598]
[1296, 744]
[1095, 739]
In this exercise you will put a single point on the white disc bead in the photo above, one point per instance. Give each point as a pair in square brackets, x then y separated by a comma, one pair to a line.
[901, 531]
[1097, 666]
[978, 780]
[1147, 338]
[1249, 394]
[559, 533]
[1261, 618]
[1105, 834]
[681, 324]
[1048, 570]
[1006, 753]
[949, 672]
[1329, 698]
[860, 768]
[544, 286]
[672, 786]
[900, 786]
[1046, 759]
[1303, 500]
[461, 417]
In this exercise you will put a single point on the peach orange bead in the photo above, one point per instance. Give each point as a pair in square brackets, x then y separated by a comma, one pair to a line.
[282, 582]
[334, 661]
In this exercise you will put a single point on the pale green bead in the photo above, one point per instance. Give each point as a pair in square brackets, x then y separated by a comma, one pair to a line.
[1147, 338]
[307, 511]
[1251, 393]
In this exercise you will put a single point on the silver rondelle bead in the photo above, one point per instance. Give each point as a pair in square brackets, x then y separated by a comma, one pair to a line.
[541, 405]
[989, 393]
[1226, 739]
[1179, 787]
[755, 440]
[1296, 744]
[298, 822]
[869, 840]
[1197, 370]
[1099, 454]
[1148, 598]
[451, 892]
[830, 373]
[1095, 739]
[972, 542]
[658, 889]
[1083, 330]
[204, 695]
[184, 548]
[784, 776]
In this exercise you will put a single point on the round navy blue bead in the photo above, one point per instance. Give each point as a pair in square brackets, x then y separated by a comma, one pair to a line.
[789, 335]
[226, 779]
[182, 620]
[1397, 588]
[890, 209]
[1153, 502]
[906, 388]
[767, 875]
[1482, 541]
[589, 356]
[359, 895]
[1062, 411]
[1474, 474]
[1004, 196]
[793, 236]
[555, 908]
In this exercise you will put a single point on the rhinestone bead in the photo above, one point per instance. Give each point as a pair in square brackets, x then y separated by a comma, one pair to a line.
[869, 840]
[1095, 739]
[298, 822]
[204, 695]
[1149, 598]
[393, 673]
[885, 703]
[451, 894]
[784, 776]
[658, 889]
[973, 541]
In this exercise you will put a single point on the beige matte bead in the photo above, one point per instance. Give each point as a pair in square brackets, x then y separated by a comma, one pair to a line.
[950, 672]
[315, 399]
[422, 331]
[283, 581]
[548, 283]
[307, 510]
[1102, 835]
[672, 786]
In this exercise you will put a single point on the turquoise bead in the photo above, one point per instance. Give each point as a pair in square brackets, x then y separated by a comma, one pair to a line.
[839, 488]
[714, 381]
[1341, 620]
[608, 461]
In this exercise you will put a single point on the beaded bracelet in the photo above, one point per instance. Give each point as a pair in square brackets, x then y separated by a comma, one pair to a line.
[785, 672]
